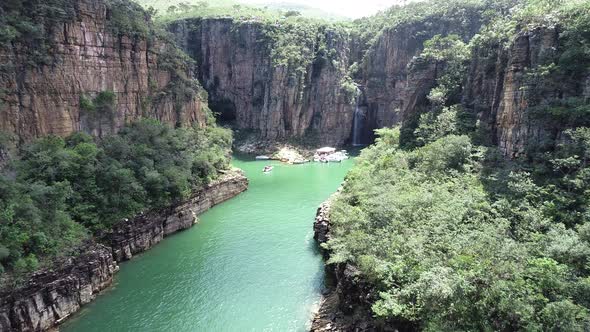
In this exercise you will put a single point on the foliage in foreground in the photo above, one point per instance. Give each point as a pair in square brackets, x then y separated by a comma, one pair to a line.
[455, 239]
[63, 190]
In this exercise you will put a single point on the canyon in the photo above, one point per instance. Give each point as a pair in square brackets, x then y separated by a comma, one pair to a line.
[277, 102]
[237, 70]
[235, 65]
[336, 91]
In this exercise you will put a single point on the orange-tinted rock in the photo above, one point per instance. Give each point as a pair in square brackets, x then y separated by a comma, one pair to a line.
[86, 59]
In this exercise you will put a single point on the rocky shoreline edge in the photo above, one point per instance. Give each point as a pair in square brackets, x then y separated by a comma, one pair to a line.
[52, 295]
[346, 304]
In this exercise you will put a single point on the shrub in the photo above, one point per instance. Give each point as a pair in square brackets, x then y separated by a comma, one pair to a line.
[67, 188]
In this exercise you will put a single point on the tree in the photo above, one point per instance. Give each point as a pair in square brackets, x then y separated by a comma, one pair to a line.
[292, 13]
[172, 9]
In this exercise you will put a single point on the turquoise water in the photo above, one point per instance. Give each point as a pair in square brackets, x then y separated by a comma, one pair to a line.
[251, 264]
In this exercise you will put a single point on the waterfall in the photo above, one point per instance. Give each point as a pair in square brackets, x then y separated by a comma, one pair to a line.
[357, 124]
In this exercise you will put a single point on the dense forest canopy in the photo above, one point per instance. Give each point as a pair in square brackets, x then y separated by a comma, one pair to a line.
[453, 237]
[61, 191]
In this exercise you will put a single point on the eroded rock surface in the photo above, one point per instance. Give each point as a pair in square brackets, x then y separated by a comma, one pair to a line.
[146, 230]
[236, 68]
[50, 296]
[86, 58]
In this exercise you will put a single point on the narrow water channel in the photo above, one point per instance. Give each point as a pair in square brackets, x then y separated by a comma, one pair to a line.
[250, 264]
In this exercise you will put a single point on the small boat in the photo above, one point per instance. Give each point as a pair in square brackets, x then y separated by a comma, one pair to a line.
[262, 157]
[267, 169]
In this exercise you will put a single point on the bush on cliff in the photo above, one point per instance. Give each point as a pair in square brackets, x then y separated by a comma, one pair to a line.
[62, 190]
[454, 239]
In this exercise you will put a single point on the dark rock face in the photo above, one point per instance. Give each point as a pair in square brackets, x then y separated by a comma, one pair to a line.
[87, 58]
[146, 230]
[498, 90]
[52, 295]
[236, 68]
[321, 226]
[392, 91]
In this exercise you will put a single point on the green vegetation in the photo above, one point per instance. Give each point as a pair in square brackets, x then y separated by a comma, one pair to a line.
[426, 18]
[65, 190]
[224, 8]
[33, 22]
[294, 41]
[454, 239]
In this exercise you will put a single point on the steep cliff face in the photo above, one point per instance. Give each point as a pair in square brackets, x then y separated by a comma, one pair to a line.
[505, 89]
[139, 234]
[51, 296]
[86, 58]
[393, 91]
[246, 85]
[385, 76]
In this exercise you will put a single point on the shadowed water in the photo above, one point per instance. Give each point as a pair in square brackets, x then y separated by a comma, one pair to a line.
[250, 264]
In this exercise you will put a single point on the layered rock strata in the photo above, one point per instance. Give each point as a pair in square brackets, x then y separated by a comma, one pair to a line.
[51, 296]
[236, 67]
[86, 57]
[146, 230]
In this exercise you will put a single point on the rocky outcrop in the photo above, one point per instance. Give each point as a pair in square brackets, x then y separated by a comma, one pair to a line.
[276, 101]
[321, 225]
[393, 91]
[50, 296]
[139, 234]
[503, 89]
[346, 304]
[41, 97]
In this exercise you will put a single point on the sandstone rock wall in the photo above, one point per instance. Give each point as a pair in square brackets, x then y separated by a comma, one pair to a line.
[236, 68]
[86, 58]
[52, 295]
[501, 91]
[392, 91]
[498, 88]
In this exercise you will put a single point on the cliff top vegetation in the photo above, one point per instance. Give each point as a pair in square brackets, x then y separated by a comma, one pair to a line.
[63, 190]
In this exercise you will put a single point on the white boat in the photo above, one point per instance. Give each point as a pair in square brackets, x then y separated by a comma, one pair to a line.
[267, 169]
[328, 154]
[262, 157]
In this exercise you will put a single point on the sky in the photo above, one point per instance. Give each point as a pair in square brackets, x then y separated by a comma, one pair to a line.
[347, 8]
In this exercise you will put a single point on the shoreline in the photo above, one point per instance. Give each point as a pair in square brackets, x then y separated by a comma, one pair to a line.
[345, 304]
[50, 296]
